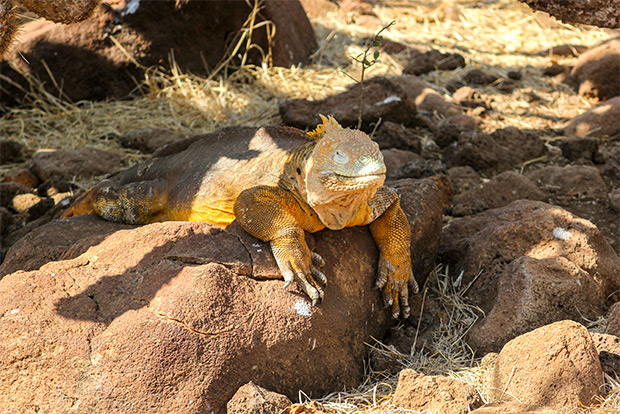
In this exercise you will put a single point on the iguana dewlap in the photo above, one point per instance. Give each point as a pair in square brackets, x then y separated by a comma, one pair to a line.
[277, 182]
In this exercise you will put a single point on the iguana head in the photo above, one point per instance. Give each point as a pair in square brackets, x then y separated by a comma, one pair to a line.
[344, 170]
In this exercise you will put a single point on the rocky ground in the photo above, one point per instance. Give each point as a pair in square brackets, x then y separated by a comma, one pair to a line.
[500, 132]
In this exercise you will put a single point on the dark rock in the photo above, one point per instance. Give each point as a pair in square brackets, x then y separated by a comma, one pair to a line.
[479, 151]
[449, 129]
[383, 98]
[515, 75]
[82, 163]
[522, 145]
[252, 399]
[396, 158]
[613, 320]
[433, 60]
[6, 219]
[580, 181]
[418, 169]
[556, 365]
[454, 85]
[608, 347]
[199, 32]
[478, 77]
[555, 70]
[434, 393]
[148, 140]
[54, 185]
[506, 85]
[576, 148]
[464, 178]
[393, 135]
[564, 50]
[558, 265]
[601, 13]
[9, 190]
[10, 151]
[500, 191]
[597, 72]
[22, 176]
[600, 121]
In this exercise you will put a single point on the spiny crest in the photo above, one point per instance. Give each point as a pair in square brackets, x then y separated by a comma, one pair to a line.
[329, 124]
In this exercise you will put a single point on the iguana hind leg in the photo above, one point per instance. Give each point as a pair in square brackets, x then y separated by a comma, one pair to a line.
[275, 215]
[133, 203]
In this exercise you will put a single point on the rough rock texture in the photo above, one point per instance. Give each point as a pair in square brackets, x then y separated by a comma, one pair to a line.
[529, 264]
[501, 190]
[383, 98]
[198, 31]
[601, 13]
[500, 151]
[82, 163]
[597, 72]
[393, 135]
[478, 77]
[579, 180]
[464, 178]
[435, 393]
[600, 121]
[608, 347]
[555, 365]
[433, 60]
[396, 158]
[22, 176]
[419, 168]
[252, 399]
[147, 319]
[8, 190]
[581, 148]
[449, 129]
[613, 320]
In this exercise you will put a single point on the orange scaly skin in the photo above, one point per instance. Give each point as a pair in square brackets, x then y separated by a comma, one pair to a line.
[277, 182]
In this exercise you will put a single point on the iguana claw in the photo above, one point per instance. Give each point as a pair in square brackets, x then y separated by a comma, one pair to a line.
[395, 288]
[303, 270]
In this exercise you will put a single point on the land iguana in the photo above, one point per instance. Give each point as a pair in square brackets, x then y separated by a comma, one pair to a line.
[277, 182]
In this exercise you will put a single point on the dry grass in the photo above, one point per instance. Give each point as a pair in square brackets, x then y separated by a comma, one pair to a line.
[496, 36]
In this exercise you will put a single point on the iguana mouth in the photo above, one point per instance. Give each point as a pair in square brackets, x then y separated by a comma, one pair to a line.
[340, 182]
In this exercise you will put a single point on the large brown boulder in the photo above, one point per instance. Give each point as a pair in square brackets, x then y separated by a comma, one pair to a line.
[556, 365]
[434, 393]
[529, 264]
[601, 13]
[94, 59]
[176, 316]
[384, 98]
[600, 121]
[597, 72]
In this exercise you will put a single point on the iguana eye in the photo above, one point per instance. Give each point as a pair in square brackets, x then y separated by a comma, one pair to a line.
[340, 157]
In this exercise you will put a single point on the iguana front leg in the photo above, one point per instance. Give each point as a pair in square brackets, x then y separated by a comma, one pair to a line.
[273, 214]
[390, 229]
